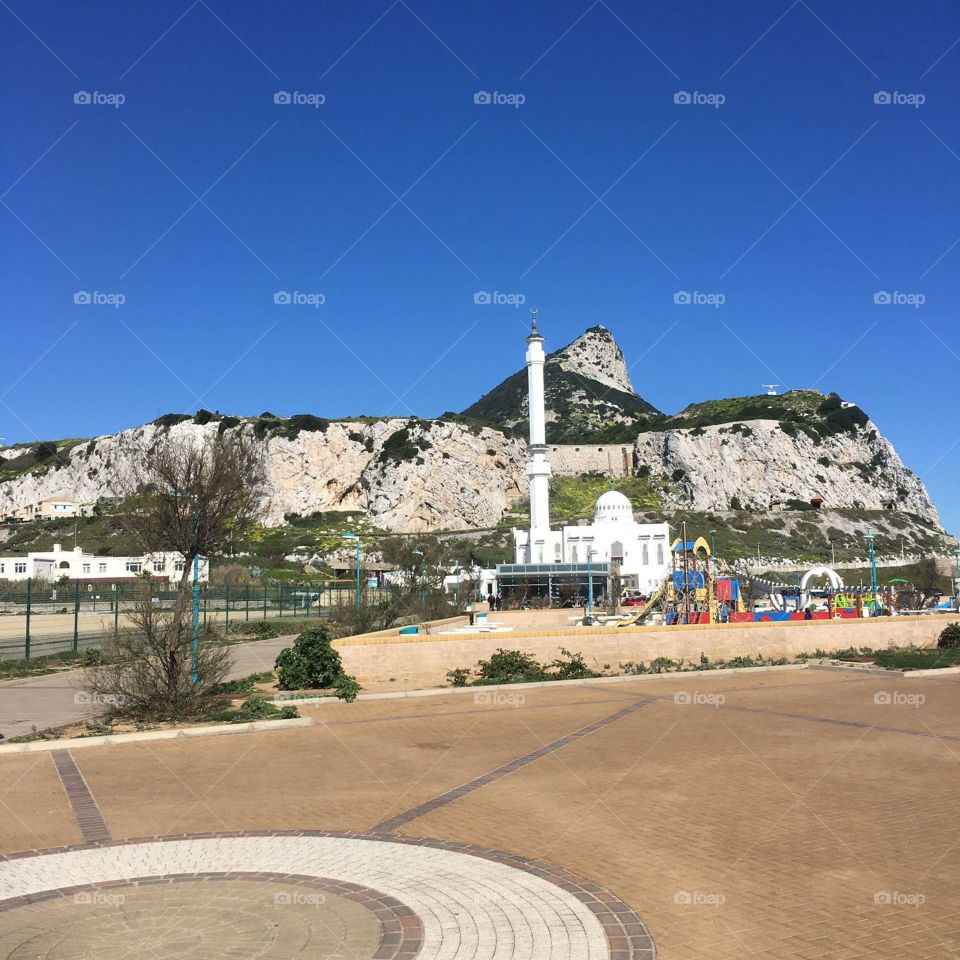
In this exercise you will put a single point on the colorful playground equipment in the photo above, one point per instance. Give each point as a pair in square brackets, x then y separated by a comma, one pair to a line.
[692, 593]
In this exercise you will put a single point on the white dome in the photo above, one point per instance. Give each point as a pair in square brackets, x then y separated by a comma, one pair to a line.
[613, 507]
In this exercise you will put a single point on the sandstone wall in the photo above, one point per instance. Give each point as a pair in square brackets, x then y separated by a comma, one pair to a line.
[427, 660]
[612, 460]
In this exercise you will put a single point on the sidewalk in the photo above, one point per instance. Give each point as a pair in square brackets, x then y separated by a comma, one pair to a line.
[51, 700]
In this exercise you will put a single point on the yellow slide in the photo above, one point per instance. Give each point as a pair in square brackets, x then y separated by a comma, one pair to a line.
[646, 608]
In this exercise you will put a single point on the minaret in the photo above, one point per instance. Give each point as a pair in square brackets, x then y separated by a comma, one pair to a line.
[538, 467]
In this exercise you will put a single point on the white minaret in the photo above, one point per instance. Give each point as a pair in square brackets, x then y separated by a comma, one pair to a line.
[538, 467]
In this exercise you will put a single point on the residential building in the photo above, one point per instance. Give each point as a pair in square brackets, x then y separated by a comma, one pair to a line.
[78, 565]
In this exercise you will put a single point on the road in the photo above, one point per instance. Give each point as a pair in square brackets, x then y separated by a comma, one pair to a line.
[59, 698]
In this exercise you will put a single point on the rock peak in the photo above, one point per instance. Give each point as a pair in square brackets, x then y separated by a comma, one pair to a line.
[596, 355]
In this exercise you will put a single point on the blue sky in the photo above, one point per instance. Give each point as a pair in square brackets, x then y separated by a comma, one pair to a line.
[582, 188]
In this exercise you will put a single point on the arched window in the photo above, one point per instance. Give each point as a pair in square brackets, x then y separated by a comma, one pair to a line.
[645, 554]
[64, 565]
[557, 553]
[573, 555]
[616, 551]
[659, 553]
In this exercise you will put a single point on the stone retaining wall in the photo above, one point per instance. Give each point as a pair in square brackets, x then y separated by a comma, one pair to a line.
[426, 659]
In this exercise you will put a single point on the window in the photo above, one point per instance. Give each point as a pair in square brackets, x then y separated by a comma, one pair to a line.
[86, 568]
[2, 568]
[158, 566]
[64, 565]
[19, 568]
[102, 567]
[660, 553]
[645, 554]
[134, 566]
[179, 565]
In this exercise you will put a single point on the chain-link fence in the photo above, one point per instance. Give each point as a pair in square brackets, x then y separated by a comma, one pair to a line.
[38, 618]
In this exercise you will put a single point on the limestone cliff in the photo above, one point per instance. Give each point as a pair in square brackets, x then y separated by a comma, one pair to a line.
[405, 475]
[458, 472]
[757, 466]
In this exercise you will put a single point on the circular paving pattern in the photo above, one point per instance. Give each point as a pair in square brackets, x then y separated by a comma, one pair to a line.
[292, 893]
[190, 920]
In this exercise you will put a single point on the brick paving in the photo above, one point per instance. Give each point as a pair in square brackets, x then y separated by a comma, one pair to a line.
[459, 792]
[444, 900]
[796, 815]
[196, 918]
[91, 823]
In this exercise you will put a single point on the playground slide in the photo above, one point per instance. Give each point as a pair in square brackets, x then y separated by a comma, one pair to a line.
[645, 609]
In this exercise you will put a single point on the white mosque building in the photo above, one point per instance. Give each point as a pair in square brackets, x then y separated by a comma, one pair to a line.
[613, 545]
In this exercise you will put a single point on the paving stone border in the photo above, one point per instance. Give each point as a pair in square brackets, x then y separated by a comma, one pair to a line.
[85, 810]
[401, 932]
[422, 809]
[626, 934]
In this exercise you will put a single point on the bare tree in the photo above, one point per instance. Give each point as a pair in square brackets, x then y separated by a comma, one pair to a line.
[146, 667]
[189, 496]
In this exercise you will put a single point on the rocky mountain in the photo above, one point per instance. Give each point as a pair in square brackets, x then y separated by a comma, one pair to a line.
[467, 471]
[588, 391]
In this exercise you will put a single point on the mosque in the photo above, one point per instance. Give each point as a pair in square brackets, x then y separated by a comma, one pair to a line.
[614, 545]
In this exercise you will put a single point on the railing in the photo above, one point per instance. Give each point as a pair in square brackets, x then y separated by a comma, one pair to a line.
[38, 618]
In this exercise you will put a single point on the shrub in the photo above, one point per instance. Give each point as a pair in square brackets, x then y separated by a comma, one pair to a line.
[574, 667]
[256, 708]
[510, 666]
[265, 630]
[346, 687]
[310, 663]
[458, 677]
[950, 637]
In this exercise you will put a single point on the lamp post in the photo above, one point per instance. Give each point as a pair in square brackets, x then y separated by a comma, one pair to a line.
[195, 624]
[956, 581]
[591, 553]
[356, 539]
[873, 559]
[417, 552]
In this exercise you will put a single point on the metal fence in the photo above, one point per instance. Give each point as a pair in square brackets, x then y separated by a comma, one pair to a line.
[38, 618]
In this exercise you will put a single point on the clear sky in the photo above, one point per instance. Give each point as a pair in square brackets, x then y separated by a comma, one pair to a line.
[780, 192]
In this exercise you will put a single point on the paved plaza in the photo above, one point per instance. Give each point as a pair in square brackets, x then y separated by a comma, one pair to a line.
[783, 814]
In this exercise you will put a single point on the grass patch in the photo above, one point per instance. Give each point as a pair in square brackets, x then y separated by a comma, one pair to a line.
[910, 658]
[38, 666]
[244, 684]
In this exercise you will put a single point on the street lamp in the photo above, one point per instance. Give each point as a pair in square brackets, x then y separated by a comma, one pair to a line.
[195, 625]
[356, 539]
[591, 553]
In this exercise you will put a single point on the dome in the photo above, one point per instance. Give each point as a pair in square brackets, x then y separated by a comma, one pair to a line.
[613, 507]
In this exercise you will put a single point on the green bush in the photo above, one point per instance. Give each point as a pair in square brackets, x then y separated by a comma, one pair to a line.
[311, 663]
[510, 666]
[256, 708]
[573, 667]
[950, 637]
[346, 687]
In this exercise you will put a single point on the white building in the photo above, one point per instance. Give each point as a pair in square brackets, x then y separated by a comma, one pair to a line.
[49, 508]
[77, 565]
[614, 544]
